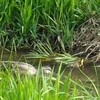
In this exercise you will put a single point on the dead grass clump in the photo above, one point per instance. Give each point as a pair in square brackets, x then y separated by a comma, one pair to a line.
[87, 39]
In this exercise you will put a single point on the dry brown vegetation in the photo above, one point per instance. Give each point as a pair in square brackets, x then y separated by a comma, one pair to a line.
[87, 39]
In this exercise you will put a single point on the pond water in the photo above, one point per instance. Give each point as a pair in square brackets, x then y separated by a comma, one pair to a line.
[76, 73]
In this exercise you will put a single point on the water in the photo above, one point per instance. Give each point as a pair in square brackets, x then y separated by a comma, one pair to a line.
[83, 74]
[76, 73]
[16, 56]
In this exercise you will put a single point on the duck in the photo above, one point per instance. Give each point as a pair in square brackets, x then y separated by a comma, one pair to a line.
[24, 68]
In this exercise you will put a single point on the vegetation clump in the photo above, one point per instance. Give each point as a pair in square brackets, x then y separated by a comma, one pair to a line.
[24, 22]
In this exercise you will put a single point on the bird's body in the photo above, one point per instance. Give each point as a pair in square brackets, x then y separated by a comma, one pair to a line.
[24, 68]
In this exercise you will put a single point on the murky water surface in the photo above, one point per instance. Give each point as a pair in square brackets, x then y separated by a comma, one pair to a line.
[76, 73]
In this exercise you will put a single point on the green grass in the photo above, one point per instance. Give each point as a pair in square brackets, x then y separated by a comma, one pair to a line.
[45, 88]
[23, 23]
[27, 21]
